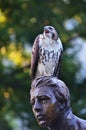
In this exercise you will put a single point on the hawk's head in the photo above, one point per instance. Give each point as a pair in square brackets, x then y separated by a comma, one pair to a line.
[50, 32]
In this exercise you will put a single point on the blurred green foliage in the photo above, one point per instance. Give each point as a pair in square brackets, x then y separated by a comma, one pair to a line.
[20, 22]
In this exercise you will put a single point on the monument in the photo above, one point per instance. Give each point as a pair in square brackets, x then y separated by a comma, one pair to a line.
[50, 100]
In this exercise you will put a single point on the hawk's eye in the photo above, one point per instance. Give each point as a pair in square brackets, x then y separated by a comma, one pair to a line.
[50, 28]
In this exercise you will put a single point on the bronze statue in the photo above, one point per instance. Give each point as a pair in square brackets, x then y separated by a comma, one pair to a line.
[50, 99]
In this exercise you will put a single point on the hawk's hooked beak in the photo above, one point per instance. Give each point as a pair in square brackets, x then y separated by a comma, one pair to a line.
[46, 30]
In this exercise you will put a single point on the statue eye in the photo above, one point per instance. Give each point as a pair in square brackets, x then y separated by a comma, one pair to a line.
[44, 99]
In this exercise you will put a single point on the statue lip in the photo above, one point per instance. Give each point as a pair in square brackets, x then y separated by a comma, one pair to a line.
[40, 116]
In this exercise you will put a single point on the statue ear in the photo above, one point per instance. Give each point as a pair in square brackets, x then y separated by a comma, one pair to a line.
[63, 106]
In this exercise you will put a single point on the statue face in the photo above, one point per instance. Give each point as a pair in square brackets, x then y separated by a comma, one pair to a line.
[45, 106]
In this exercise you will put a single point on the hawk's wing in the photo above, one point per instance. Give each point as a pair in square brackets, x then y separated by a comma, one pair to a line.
[34, 57]
[58, 66]
[56, 72]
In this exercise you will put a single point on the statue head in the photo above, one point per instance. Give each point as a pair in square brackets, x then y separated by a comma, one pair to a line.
[50, 99]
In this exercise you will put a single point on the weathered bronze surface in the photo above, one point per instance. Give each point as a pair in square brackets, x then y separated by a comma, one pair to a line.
[50, 99]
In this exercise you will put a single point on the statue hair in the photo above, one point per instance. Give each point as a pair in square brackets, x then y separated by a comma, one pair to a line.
[59, 88]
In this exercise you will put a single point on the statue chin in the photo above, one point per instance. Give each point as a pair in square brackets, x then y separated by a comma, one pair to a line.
[43, 124]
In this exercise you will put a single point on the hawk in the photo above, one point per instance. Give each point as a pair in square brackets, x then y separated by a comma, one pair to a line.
[46, 54]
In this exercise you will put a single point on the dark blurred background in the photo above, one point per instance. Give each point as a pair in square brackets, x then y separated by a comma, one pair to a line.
[20, 22]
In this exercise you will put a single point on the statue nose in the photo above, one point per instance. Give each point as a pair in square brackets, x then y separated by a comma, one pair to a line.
[37, 106]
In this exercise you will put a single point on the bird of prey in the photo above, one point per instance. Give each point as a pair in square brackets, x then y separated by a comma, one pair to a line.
[46, 54]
